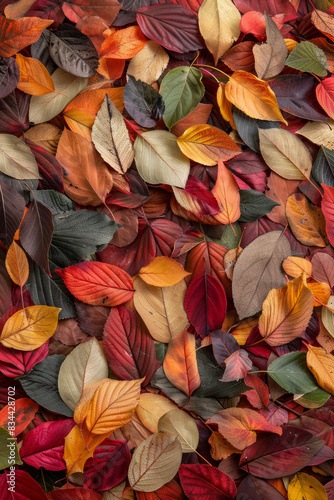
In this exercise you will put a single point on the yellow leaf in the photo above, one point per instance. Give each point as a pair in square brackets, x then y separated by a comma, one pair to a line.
[28, 329]
[17, 264]
[181, 425]
[151, 407]
[227, 194]
[321, 291]
[327, 316]
[112, 405]
[306, 487]
[296, 266]
[253, 96]
[79, 447]
[149, 63]
[286, 312]
[219, 22]
[162, 271]
[290, 44]
[206, 144]
[321, 365]
[321, 133]
[224, 105]
[34, 77]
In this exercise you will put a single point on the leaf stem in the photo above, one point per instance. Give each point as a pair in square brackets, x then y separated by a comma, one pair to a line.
[215, 69]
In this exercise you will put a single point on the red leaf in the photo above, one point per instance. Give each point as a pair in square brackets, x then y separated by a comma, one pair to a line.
[259, 395]
[50, 169]
[108, 466]
[327, 205]
[16, 363]
[97, 283]
[23, 412]
[173, 26]
[205, 304]
[14, 112]
[74, 494]
[203, 482]
[154, 239]
[169, 491]
[47, 9]
[268, 7]
[258, 489]
[325, 95]
[275, 414]
[129, 349]
[44, 445]
[106, 9]
[275, 456]
[23, 486]
[237, 366]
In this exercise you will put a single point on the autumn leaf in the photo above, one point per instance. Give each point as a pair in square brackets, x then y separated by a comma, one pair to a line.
[15, 35]
[227, 194]
[29, 328]
[17, 264]
[321, 365]
[162, 271]
[304, 486]
[124, 43]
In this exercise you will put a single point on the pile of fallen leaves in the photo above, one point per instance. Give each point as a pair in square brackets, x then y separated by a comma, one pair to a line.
[166, 249]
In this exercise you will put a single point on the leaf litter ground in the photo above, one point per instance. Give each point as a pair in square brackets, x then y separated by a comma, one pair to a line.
[166, 249]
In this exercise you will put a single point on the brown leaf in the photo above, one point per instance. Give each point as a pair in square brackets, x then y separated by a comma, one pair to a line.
[306, 221]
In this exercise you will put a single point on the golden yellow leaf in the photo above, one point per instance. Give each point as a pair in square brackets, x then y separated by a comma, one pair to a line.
[306, 487]
[45, 135]
[34, 77]
[206, 144]
[321, 291]
[224, 105]
[162, 271]
[321, 365]
[290, 44]
[79, 447]
[112, 405]
[242, 331]
[296, 266]
[220, 447]
[29, 328]
[17, 264]
[151, 407]
[149, 63]
[253, 96]
[306, 221]
[219, 22]
[227, 194]
[286, 312]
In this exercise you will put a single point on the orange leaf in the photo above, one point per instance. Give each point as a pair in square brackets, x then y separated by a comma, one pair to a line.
[239, 426]
[321, 365]
[324, 22]
[111, 68]
[286, 312]
[34, 77]
[321, 293]
[224, 105]
[29, 328]
[97, 283]
[87, 179]
[198, 116]
[220, 447]
[206, 144]
[17, 264]
[79, 447]
[253, 96]
[226, 192]
[306, 221]
[24, 411]
[162, 271]
[16, 35]
[180, 364]
[112, 405]
[296, 266]
[124, 43]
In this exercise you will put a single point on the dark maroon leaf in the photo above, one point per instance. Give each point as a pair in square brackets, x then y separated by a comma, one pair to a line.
[12, 207]
[138, 194]
[108, 466]
[77, 9]
[202, 196]
[14, 363]
[73, 51]
[129, 349]
[9, 75]
[173, 26]
[274, 456]
[154, 239]
[91, 319]
[36, 233]
[49, 168]
[296, 95]
[223, 344]
[74, 494]
[205, 304]
[47, 9]
[25, 487]
[5, 383]
[257, 489]
[5, 286]
[268, 7]
[44, 445]
[143, 102]
[14, 112]
[248, 162]
[202, 482]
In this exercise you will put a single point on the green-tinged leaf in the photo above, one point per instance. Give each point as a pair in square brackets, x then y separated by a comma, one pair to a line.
[41, 385]
[231, 236]
[313, 399]
[159, 159]
[56, 202]
[254, 204]
[323, 167]
[181, 90]
[308, 57]
[291, 372]
[78, 234]
[9, 454]
[45, 107]
[16, 158]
